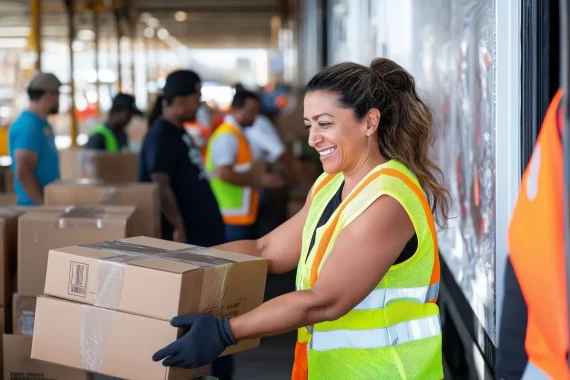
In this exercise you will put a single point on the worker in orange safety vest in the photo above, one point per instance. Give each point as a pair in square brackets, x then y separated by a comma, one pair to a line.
[537, 265]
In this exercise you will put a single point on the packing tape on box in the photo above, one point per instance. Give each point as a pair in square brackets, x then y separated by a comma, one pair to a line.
[81, 181]
[82, 216]
[97, 319]
[111, 270]
[86, 163]
[96, 325]
[109, 194]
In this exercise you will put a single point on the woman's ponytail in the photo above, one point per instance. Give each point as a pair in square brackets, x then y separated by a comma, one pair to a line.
[156, 110]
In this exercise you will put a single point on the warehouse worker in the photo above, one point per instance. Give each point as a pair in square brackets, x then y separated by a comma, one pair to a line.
[365, 244]
[111, 136]
[35, 160]
[535, 314]
[190, 212]
[229, 161]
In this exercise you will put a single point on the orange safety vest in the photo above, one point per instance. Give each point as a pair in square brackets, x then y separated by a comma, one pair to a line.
[239, 204]
[536, 248]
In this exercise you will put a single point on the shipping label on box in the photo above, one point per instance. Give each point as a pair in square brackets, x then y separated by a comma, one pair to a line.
[157, 278]
[145, 196]
[51, 227]
[19, 366]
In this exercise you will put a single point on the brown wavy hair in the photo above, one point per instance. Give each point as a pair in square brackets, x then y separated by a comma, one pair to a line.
[406, 130]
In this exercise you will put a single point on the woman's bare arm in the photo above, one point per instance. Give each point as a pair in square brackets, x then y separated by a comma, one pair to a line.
[363, 253]
[282, 246]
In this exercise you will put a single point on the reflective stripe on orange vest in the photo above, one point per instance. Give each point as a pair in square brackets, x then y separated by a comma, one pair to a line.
[536, 249]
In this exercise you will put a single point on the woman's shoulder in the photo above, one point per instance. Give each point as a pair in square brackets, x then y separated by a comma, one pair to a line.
[397, 169]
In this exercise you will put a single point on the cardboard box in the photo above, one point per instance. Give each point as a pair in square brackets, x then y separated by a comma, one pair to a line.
[18, 365]
[8, 251]
[104, 341]
[8, 199]
[23, 314]
[145, 196]
[8, 180]
[157, 278]
[51, 227]
[96, 164]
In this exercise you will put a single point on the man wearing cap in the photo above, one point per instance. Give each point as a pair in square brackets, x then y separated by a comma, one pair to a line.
[35, 161]
[111, 136]
[168, 156]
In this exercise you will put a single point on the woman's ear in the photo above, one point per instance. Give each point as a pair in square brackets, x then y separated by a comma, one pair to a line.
[372, 120]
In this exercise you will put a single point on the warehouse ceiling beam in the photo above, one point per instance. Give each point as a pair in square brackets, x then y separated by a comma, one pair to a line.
[77, 6]
[162, 7]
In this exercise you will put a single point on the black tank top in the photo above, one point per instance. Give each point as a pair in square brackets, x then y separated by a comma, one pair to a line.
[333, 204]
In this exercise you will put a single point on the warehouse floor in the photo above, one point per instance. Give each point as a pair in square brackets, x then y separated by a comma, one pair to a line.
[273, 360]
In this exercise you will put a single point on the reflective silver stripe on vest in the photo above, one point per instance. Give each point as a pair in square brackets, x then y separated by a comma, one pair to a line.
[377, 338]
[380, 298]
[532, 372]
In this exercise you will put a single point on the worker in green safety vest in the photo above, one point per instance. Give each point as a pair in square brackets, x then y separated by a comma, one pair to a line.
[111, 136]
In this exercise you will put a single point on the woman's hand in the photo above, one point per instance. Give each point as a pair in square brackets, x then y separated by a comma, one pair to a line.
[207, 339]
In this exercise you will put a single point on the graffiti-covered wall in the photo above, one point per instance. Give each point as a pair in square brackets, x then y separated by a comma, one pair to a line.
[449, 46]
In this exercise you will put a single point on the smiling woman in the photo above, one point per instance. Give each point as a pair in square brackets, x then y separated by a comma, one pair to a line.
[364, 244]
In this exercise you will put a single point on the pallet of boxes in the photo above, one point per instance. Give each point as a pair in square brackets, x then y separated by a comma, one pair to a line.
[98, 300]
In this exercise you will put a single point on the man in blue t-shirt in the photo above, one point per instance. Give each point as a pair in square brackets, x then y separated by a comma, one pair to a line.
[35, 161]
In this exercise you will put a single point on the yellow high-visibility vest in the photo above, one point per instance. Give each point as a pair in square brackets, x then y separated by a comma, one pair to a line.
[395, 332]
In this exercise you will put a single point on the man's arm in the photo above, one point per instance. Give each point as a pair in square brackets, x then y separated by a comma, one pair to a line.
[167, 199]
[228, 174]
[26, 162]
[224, 152]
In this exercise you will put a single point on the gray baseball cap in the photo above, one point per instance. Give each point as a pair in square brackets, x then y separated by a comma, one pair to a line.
[45, 82]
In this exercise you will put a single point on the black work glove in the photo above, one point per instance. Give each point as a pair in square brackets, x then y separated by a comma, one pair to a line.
[207, 339]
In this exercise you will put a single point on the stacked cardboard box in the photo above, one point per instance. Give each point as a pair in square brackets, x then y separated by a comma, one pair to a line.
[94, 164]
[8, 249]
[18, 365]
[145, 196]
[8, 199]
[36, 231]
[6, 179]
[56, 226]
[107, 306]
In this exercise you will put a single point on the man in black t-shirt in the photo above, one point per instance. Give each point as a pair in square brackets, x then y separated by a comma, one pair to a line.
[190, 212]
